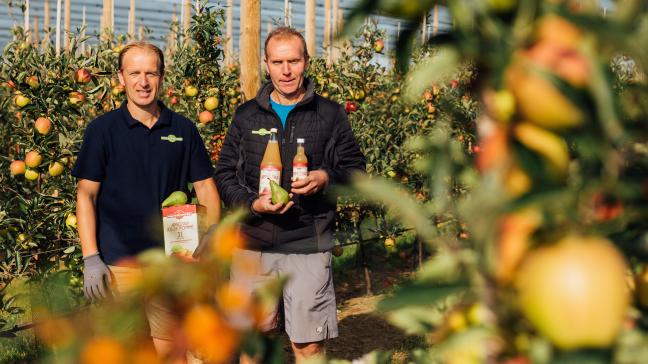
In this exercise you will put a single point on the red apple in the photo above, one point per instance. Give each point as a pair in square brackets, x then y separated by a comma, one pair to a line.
[43, 125]
[117, 90]
[170, 92]
[33, 159]
[350, 107]
[205, 117]
[379, 45]
[76, 97]
[17, 167]
[454, 83]
[82, 76]
[174, 100]
[32, 81]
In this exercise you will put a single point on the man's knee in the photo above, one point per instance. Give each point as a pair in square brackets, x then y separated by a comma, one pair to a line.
[308, 350]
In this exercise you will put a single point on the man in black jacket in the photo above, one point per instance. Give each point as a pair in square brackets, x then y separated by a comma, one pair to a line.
[296, 238]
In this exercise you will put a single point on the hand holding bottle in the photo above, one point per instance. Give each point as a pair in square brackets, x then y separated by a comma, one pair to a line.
[313, 183]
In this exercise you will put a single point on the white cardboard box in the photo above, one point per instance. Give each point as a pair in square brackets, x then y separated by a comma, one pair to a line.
[183, 227]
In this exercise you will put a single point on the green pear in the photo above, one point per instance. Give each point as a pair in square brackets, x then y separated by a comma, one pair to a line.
[279, 195]
[175, 198]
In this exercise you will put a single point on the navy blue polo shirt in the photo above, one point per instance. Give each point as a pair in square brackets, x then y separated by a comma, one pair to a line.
[138, 168]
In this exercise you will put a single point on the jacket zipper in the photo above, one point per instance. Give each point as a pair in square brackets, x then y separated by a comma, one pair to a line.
[292, 132]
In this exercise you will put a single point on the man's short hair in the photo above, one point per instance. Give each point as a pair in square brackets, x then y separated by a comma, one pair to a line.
[283, 33]
[142, 45]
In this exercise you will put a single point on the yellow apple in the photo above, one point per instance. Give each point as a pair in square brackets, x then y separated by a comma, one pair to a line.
[211, 103]
[31, 174]
[55, 169]
[574, 291]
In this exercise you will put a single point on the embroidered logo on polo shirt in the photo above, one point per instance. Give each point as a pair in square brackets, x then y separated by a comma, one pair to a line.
[171, 138]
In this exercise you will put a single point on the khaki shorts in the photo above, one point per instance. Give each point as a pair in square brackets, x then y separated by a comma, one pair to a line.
[162, 320]
[308, 296]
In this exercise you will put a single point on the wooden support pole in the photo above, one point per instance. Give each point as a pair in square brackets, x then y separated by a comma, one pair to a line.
[327, 30]
[342, 43]
[102, 21]
[35, 31]
[186, 20]
[131, 20]
[111, 18]
[250, 45]
[46, 16]
[435, 20]
[26, 20]
[173, 32]
[83, 29]
[229, 42]
[311, 36]
[58, 28]
[68, 27]
[290, 14]
[334, 24]
[423, 28]
[46, 25]
[286, 15]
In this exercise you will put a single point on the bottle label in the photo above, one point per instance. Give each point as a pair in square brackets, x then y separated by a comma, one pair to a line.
[268, 173]
[300, 171]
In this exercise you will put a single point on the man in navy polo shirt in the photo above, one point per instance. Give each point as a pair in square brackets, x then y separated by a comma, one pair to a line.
[131, 159]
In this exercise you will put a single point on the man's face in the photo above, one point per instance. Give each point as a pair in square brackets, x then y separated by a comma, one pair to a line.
[286, 64]
[140, 76]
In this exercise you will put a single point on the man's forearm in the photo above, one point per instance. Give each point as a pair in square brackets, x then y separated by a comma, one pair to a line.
[208, 196]
[87, 223]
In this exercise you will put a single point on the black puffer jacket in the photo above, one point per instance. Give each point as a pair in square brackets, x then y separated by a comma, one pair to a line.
[330, 145]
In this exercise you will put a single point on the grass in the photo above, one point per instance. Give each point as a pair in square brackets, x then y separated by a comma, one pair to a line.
[24, 348]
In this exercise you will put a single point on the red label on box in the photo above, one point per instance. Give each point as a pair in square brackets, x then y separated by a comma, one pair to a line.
[179, 211]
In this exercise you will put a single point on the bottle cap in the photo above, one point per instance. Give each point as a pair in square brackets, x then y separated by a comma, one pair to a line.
[300, 140]
[273, 130]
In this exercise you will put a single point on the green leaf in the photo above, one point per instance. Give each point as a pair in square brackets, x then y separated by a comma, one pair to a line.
[69, 250]
[443, 265]
[420, 294]
[416, 319]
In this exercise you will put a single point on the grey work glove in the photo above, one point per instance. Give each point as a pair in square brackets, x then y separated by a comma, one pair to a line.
[204, 242]
[96, 278]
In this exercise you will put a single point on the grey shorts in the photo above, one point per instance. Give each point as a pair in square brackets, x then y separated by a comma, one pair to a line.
[308, 296]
